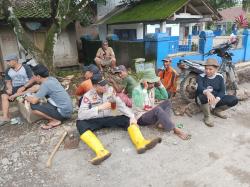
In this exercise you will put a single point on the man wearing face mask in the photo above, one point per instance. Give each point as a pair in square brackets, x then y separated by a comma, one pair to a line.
[169, 77]
[143, 104]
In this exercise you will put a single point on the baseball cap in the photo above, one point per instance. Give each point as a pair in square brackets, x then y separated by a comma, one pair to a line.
[97, 79]
[167, 59]
[92, 68]
[10, 57]
[119, 69]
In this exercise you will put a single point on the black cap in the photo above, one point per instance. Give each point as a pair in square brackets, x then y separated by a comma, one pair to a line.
[93, 68]
[97, 79]
[119, 69]
[41, 70]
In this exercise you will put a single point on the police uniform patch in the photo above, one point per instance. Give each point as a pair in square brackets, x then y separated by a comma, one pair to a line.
[85, 100]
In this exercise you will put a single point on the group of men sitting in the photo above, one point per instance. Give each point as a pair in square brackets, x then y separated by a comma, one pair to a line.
[35, 85]
[106, 103]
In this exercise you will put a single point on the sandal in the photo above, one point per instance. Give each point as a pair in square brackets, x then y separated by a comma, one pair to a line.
[50, 126]
[2, 123]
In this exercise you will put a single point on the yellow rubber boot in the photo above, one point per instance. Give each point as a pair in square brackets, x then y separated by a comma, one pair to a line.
[139, 141]
[94, 143]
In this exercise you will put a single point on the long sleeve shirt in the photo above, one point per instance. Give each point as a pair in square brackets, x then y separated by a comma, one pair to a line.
[213, 84]
[169, 79]
[91, 100]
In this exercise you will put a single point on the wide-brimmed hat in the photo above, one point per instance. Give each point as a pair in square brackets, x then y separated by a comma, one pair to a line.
[119, 69]
[150, 76]
[212, 62]
[10, 57]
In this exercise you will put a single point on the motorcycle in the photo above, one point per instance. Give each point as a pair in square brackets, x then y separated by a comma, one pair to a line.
[191, 69]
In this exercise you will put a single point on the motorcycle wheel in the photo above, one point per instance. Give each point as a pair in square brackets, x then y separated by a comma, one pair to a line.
[188, 87]
[231, 86]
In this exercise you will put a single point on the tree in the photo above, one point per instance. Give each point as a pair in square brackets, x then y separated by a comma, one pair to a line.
[245, 4]
[222, 3]
[63, 12]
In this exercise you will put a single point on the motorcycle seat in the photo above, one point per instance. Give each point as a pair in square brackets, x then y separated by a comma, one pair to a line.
[198, 62]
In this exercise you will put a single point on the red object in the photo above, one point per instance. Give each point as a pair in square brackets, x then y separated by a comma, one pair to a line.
[84, 87]
[147, 107]
[113, 105]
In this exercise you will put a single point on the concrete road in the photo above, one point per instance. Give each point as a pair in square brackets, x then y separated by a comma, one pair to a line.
[218, 156]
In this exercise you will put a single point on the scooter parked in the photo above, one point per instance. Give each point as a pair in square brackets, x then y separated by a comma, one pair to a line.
[191, 69]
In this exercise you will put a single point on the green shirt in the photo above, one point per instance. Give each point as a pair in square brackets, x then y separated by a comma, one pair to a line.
[161, 93]
[129, 84]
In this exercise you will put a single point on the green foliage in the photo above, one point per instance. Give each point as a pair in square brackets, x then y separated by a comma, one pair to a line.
[245, 4]
[229, 28]
[60, 12]
[222, 3]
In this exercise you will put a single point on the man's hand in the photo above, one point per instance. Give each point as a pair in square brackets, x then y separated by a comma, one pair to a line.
[210, 97]
[104, 106]
[9, 91]
[215, 101]
[12, 97]
[145, 85]
[21, 89]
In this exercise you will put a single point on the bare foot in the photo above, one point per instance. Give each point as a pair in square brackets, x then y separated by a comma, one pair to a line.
[181, 134]
[51, 124]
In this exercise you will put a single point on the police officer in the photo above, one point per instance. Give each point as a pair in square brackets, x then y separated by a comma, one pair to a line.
[95, 113]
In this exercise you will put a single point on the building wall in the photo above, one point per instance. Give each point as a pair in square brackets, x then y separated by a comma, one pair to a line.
[65, 53]
[104, 9]
[8, 44]
[65, 50]
[138, 27]
[175, 28]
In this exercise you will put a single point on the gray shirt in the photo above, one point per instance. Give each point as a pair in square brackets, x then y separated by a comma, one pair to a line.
[53, 89]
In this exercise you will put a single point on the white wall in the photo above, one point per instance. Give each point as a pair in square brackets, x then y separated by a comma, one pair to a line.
[151, 28]
[174, 28]
[8, 43]
[65, 50]
[138, 27]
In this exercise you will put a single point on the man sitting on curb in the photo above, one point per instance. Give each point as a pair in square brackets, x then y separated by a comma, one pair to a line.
[124, 91]
[147, 113]
[211, 93]
[18, 79]
[95, 113]
[59, 106]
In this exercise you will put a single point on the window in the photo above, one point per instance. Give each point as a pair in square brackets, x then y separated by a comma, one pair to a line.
[169, 31]
[126, 34]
